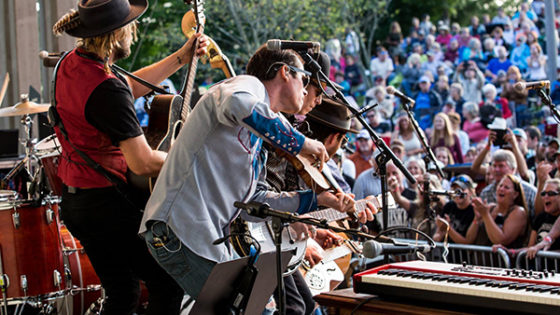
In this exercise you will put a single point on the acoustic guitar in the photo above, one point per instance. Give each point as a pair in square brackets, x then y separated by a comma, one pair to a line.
[263, 233]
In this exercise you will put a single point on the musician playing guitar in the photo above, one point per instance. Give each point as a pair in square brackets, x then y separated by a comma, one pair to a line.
[96, 112]
[327, 122]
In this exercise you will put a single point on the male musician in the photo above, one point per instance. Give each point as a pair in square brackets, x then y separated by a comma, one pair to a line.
[327, 123]
[217, 159]
[96, 110]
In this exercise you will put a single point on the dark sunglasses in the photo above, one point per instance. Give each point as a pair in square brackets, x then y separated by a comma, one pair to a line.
[306, 75]
[551, 193]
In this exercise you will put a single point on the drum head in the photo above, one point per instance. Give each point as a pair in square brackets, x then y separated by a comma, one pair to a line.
[48, 145]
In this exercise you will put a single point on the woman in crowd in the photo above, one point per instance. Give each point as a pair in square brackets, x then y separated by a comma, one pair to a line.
[543, 222]
[394, 39]
[406, 134]
[457, 214]
[411, 74]
[510, 92]
[490, 97]
[518, 55]
[474, 52]
[444, 156]
[443, 135]
[536, 63]
[456, 95]
[504, 222]
[472, 79]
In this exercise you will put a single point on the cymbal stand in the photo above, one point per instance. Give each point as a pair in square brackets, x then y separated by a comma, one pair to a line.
[29, 144]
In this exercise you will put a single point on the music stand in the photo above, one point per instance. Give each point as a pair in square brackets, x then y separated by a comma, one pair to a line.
[218, 289]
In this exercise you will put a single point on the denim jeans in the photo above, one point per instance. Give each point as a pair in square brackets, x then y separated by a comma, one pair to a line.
[188, 269]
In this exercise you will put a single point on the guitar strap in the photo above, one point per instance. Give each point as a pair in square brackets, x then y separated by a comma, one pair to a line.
[56, 121]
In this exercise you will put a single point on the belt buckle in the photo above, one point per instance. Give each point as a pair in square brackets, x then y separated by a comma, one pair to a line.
[72, 189]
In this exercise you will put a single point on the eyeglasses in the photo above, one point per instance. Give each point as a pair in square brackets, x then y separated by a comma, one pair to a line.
[550, 193]
[305, 78]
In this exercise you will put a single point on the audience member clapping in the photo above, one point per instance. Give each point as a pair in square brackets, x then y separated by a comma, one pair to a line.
[503, 222]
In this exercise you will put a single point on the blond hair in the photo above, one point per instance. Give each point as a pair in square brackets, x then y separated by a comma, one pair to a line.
[447, 133]
[102, 45]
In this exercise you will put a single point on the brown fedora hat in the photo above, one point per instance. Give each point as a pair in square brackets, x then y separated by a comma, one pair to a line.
[98, 17]
[332, 114]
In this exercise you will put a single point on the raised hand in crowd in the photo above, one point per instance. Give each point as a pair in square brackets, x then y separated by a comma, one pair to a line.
[522, 168]
[543, 173]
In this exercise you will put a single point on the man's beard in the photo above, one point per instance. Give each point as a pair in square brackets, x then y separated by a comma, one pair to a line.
[121, 53]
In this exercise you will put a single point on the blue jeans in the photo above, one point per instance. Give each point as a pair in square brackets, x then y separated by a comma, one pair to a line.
[188, 269]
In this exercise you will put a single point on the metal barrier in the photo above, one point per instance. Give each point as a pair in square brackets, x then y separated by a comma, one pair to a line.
[544, 260]
[456, 254]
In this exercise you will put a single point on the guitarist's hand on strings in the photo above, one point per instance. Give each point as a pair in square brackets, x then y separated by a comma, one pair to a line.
[184, 53]
[339, 201]
[327, 238]
[317, 150]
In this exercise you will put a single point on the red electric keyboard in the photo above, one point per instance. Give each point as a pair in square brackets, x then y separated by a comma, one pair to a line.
[473, 286]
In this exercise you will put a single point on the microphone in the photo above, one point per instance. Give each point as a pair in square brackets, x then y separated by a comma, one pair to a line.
[277, 44]
[363, 110]
[399, 94]
[372, 249]
[447, 193]
[49, 59]
[520, 86]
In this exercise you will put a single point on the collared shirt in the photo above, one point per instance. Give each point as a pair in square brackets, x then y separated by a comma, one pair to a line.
[215, 161]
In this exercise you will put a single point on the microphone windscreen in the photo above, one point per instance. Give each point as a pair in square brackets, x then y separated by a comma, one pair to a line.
[274, 44]
[371, 249]
[519, 86]
[390, 90]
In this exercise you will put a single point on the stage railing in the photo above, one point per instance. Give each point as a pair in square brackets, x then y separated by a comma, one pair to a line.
[451, 253]
[544, 260]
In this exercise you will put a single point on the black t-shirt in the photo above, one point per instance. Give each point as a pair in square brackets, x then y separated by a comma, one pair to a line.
[460, 219]
[110, 108]
[383, 127]
[542, 224]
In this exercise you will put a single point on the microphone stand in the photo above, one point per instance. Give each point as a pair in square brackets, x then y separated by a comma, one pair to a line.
[386, 153]
[280, 220]
[422, 138]
[547, 101]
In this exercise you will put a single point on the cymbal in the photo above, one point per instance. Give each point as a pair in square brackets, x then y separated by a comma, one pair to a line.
[25, 107]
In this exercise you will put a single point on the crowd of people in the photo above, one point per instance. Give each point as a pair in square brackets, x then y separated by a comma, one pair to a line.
[499, 162]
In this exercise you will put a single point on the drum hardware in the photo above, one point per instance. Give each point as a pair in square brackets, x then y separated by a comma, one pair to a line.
[57, 278]
[15, 218]
[23, 284]
[4, 284]
[49, 214]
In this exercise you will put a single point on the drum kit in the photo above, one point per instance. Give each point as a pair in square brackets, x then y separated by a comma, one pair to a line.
[41, 264]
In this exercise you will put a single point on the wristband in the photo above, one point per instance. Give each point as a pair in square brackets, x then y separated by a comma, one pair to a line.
[547, 239]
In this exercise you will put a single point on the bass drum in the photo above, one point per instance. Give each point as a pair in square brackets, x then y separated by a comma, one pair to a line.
[30, 254]
[82, 277]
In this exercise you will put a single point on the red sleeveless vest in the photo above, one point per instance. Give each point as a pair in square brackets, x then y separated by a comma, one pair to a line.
[76, 79]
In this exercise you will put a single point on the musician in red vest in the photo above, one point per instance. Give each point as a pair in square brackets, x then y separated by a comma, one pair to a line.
[97, 125]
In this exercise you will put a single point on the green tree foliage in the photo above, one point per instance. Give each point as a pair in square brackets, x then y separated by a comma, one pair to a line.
[239, 27]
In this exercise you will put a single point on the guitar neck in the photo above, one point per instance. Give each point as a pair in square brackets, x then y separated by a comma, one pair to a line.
[189, 83]
[332, 215]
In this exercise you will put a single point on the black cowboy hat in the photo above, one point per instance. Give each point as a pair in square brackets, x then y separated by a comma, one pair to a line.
[98, 17]
[332, 114]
